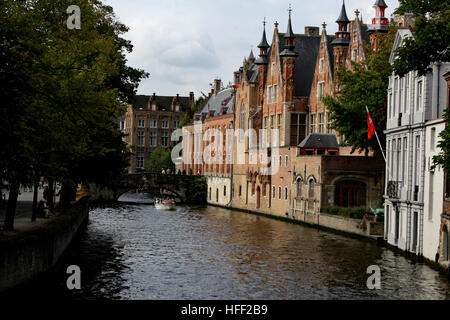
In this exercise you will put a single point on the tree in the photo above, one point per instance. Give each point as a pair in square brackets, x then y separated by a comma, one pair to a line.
[365, 85]
[63, 90]
[160, 159]
[431, 33]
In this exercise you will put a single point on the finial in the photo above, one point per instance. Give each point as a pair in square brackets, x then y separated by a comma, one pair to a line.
[324, 25]
[357, 13]
[290, 9]
[264, 22]
[276, 24]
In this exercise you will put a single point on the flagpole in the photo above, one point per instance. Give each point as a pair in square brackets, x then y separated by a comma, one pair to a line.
[379, 143]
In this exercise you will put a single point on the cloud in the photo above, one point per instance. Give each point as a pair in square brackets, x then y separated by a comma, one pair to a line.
[184, 44]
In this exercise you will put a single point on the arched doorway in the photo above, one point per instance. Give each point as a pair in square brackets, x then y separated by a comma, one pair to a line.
[350, 194]
[258, 198]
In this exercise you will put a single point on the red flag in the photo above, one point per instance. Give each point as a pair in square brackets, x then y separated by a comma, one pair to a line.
[371, 127]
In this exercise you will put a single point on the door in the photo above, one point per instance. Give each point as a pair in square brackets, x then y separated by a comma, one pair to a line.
[258, 198]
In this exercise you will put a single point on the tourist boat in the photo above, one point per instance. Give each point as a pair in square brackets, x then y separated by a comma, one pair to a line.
[165, 204]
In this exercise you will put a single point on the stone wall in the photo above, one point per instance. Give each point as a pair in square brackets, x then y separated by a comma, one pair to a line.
[33, 252]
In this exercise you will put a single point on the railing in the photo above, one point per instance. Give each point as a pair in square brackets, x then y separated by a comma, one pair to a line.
[393, 189]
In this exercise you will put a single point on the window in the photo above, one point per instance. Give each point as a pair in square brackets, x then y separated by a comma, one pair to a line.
[329, 123]
[265, 122]
[279, 121]
[240, 191]
[152, 139]
[298, 128]
[279, 192]
[153, 107]
[272, 69]
[177, 108]
[122, 125]
[400, 97]
[405, 148]
[242, 123]
[299, 187]
[176, 123]
[272, 122]
[286, 161]
[285, 193]
[273, 192]
[165, 124]
[354, 54]
[417, 169]
[140, 160]
[224, 191]
[269, 94]
[312, 124]
[390, 105]
[320, 89]
[321, 65]
[141, 123]
[141, 138]
[419, 96]
[279, 164]
[153, 124]
[432, 138]
[312, 185]
[165, 139]
[275, 94]
[321, 123]
[394, 103]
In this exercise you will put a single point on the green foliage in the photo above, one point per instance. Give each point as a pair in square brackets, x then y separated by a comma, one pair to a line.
[365, 85]
[160, 159]
[61, 92]
[353, 213]
[431, 36]
[443, 159]
[199, 191]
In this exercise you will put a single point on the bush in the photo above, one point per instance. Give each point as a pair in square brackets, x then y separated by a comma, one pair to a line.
[354, 213]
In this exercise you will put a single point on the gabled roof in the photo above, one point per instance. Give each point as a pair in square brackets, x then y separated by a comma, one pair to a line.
[163, 102]
[320, 140]
[252, 73]
[307, 48]
[401, 34]
[218, 104]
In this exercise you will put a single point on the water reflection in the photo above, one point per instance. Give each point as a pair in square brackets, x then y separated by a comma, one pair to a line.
[137, 252]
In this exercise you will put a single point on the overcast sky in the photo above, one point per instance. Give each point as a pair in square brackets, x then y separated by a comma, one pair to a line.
[185, 44]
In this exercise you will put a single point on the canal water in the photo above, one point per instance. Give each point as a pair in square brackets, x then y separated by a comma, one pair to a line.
[132, 251]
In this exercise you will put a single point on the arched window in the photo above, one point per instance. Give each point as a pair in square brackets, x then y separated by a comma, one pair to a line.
[299, 187]
[279, 193]
[285, 193]
[273, 191]
[350, 194]
[312, 186]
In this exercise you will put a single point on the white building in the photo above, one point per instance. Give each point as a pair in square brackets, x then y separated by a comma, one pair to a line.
[415, 107]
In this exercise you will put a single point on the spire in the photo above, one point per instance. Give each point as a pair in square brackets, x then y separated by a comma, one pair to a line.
[263, 46]
[343, 16]
[289, 32]
[380, 3]
[289, 39]
[342, 36]
[251, 56]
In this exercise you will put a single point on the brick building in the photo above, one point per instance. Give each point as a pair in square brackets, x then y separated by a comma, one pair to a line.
[207, 144]
[149, 123]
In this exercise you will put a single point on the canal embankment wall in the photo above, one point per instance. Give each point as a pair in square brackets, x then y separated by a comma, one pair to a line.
[31, 253]
[366, 228]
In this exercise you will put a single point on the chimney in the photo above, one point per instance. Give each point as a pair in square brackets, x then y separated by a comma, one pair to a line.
[312, 31]
[237, 78]
[217, 85]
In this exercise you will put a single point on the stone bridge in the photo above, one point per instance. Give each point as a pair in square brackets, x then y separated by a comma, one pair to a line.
[184, 188]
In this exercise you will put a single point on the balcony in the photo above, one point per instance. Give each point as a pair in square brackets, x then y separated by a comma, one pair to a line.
[393, 189]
